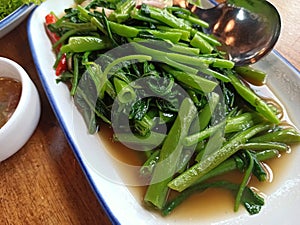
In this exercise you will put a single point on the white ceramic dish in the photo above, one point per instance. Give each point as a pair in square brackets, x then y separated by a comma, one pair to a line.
[18, 129]
[14, 19]
[122, 207]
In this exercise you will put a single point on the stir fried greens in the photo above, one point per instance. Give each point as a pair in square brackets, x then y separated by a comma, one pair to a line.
[159, 80]
[8, 6]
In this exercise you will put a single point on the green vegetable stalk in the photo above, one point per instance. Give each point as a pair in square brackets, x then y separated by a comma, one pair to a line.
[169, 155]
[84, 44]
[186, 179]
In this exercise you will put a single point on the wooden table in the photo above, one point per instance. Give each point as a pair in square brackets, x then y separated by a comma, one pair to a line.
[43, 183]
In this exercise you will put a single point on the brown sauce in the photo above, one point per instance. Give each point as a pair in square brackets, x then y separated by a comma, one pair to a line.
[10, 92]
[213, 203]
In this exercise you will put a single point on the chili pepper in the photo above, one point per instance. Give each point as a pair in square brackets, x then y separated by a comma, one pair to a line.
[62, 64]
[50, 19]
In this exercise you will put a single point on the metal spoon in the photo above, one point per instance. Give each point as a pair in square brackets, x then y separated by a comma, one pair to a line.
[248, 29]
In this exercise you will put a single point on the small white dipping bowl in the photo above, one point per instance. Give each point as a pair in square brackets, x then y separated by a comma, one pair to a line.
[20, 126]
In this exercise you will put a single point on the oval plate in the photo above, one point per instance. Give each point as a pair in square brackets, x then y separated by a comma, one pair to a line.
[282, 201]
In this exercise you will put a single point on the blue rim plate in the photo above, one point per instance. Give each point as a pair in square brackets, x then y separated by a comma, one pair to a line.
[14, 19]
[121, 205]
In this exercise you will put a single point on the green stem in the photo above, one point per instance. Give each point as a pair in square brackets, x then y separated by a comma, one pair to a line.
[288, 135]
[246, 197]
[244, 183]
[139, 58]
[85, 44]
[253, 99]
[251, 74]
[186, 179]
[200, 136]
[165, 17]
[153, 139]
[238, 123]
[123, 30]
[214, 74]
[125, 92]
[185, 35]
[75, 75]
[191, 80]
[226, 166]
[205, 115]
[213, 41]
[264, 146]
[136, 14]
[69, 33]
[122, 13]
[148, 167]
[169, 155]
[202, 44]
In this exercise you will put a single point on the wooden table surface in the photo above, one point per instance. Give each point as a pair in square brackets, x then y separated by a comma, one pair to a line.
[43, 183]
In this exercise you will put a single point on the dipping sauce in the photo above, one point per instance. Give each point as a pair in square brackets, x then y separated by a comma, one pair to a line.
[10, 92]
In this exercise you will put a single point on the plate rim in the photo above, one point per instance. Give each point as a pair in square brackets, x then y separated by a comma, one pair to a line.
[14, 17]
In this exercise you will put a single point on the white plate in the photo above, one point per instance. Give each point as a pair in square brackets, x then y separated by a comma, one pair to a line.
[282, 203]
[14, 19]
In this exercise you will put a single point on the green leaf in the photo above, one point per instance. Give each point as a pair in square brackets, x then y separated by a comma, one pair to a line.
[252, 201]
